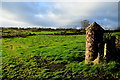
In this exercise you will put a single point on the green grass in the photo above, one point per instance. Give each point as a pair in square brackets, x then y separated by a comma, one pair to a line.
[46, 32]
[23, 52]
[116, 33]
[46, 46]
[51, 57]
[50, 32]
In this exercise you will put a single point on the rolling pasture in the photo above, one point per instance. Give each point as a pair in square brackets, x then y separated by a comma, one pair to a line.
[51, 57]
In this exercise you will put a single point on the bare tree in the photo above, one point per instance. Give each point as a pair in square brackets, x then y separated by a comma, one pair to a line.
[85, 23]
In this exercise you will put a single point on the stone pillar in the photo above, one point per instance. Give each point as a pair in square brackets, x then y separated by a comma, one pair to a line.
[94, 43]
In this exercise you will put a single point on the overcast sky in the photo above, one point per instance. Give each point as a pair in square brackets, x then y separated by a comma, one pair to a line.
[59, 14]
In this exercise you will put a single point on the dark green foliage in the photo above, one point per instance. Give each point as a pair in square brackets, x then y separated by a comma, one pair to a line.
[16, 34]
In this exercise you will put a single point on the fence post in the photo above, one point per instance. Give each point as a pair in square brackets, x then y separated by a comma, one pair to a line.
[94, 43]
[110, 49]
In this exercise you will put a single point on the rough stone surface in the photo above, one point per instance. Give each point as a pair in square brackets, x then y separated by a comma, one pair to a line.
[94, 42]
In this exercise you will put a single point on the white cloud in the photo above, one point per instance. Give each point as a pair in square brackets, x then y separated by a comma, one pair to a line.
[11, 19]
[39, 15]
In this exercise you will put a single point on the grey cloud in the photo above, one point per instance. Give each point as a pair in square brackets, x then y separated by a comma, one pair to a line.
[27, 11]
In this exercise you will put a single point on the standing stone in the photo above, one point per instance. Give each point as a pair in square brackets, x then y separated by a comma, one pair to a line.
[94, 43]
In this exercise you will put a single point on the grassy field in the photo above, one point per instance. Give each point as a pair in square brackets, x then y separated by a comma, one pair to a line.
[52, 57]
[46, 32]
